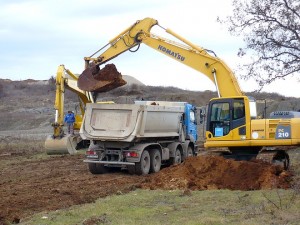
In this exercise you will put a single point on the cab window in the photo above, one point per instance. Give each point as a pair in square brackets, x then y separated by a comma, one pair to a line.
[238, 110]
[192, 116]
[220, 112]
[220, 119]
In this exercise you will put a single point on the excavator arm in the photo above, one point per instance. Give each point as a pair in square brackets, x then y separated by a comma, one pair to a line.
[187, 53]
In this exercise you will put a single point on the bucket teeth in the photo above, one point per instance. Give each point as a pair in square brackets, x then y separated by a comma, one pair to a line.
[100, 80]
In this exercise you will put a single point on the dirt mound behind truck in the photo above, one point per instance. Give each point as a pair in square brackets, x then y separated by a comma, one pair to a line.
[215, 172]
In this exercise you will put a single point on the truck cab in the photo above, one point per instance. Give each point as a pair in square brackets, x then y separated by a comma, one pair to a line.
[190, 121]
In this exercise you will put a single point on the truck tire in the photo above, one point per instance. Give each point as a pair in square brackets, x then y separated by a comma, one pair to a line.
[176, 159]
[143, 166]
[190, 152]
[155, 163]
[96, 168]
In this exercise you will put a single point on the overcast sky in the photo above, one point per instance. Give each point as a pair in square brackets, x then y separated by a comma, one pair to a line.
[36, 36]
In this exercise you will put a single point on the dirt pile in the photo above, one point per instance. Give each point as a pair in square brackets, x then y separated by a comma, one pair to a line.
[214, 172]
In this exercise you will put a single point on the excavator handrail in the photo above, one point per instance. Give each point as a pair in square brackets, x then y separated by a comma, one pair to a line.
[188, 53]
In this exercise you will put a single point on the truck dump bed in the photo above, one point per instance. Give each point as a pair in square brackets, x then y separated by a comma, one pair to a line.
[129, 122]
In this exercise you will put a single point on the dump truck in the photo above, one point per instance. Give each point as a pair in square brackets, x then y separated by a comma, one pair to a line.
[140, 137]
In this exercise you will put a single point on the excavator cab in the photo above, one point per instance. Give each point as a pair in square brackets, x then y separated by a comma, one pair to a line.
[225, 115]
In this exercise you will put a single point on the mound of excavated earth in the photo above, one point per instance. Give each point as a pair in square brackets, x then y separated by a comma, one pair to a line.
[214, 172]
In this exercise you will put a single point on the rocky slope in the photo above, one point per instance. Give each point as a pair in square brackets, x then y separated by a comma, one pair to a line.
[28, 104]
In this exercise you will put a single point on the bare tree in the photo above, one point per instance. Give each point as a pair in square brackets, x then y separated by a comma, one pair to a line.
[51, 83]
[271, 31]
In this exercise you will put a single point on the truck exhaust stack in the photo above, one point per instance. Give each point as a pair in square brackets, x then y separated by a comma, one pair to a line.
[100, 80]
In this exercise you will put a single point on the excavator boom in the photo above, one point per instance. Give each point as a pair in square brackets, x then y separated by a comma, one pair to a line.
[187, 53]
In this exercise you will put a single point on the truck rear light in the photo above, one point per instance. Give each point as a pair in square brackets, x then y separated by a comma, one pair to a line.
[132, 154]
[90, 152]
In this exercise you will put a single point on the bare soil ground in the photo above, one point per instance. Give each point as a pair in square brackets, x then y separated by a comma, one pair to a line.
[35, 185]
[28, 187]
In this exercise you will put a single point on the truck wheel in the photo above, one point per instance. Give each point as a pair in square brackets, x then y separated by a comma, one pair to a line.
[96, 168]
[143, 167]
[177, 158]
[190, 152]
[155, 158]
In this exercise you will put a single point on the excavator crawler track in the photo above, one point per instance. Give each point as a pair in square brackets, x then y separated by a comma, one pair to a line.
[279, 157]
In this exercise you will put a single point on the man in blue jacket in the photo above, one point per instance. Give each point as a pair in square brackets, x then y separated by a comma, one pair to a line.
[69, 120]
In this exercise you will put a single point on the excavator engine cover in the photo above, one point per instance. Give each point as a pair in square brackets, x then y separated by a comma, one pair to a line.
[96, 80]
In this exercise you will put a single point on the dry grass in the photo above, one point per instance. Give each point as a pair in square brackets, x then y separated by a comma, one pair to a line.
[17, 145]
[176, 207]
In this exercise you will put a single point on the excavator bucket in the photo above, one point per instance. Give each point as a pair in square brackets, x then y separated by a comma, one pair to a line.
[60, 146]
[100, 80]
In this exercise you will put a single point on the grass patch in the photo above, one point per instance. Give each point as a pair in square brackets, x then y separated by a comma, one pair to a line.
[17, 145]
[179, 207]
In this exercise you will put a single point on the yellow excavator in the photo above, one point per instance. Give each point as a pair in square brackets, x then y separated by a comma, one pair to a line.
[60, 143]
[231, 118]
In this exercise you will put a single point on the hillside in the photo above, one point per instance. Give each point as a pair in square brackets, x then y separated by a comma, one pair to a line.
[28, 104]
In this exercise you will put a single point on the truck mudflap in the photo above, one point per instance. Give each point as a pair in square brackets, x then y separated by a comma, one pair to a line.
[109, 162]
